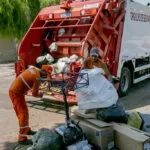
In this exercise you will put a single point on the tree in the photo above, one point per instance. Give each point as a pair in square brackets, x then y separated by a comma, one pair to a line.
[34, 8]
[44, 3]
[17, 15]
[13, 18]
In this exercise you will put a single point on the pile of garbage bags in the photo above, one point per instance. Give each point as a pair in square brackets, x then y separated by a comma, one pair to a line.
[59, 65]
[102, 97]
[69, 137]
[63, 64]
[46, 59]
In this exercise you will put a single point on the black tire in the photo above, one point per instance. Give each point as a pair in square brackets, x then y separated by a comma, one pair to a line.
[125, 82]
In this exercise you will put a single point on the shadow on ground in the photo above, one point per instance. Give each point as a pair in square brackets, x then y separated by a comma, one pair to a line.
[14, 146]
[138, 96]
[47, 105]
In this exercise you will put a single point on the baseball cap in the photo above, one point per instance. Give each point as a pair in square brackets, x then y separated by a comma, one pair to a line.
[94, 51]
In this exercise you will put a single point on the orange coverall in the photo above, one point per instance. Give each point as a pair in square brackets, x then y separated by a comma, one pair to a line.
[20, 86]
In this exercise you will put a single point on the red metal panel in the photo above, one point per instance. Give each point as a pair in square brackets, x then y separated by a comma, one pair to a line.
[69, 44]
[95, 19]
[55, 27]
[101, 31]
[119, 19]
[75, 4]
[115, 68]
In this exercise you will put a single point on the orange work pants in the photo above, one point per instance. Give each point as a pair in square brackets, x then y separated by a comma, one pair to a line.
[21, 110]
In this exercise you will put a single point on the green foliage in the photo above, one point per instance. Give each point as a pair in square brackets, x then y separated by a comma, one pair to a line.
[17, 15]
[44, 3]
[13, 18]
[34, 6]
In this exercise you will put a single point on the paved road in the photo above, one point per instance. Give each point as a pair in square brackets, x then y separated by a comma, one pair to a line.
[139, 97]
[40, 116]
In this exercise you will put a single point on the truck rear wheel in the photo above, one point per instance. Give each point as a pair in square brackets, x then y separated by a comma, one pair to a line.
[125, 82]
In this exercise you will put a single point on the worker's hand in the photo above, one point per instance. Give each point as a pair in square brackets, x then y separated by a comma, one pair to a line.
[41, 94]
[110, 78]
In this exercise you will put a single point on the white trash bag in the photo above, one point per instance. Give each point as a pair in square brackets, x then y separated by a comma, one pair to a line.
[49, 58]
[82, 145]
[99, 94]
[40, 59]
[73, 58]
[53, 47]
[61, 32]
[60, 66]
[65, 59]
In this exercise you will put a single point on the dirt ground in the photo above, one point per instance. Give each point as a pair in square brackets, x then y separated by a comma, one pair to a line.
[7, 50]
[43, 116]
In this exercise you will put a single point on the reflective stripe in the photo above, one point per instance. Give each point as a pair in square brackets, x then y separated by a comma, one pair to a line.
[23, 135]
[25, 82]
[24, 127]
[34, 67]
[31, 70]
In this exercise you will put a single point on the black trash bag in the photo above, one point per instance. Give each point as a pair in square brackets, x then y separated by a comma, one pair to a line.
[145, 122]
[72, 134]
[46, 139]
[114, 113]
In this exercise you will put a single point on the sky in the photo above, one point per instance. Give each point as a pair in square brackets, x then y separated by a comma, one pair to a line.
[143, 1]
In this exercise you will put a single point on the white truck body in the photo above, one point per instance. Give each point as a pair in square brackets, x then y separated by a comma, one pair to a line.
[135, 46]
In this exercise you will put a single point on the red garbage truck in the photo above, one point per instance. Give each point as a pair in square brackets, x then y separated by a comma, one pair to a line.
[118, 28]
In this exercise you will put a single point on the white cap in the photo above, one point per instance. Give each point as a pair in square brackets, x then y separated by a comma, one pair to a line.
[94, 51]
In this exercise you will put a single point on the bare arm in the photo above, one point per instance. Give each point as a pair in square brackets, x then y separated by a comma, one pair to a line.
[104, 67]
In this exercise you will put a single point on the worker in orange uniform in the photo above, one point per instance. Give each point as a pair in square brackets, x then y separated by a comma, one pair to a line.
[94, 61]
[21, 85]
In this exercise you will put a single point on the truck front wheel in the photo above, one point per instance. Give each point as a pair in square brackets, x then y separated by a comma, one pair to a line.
[125, 82]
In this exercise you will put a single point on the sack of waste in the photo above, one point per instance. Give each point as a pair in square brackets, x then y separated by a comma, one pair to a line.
[100, 93]
[45, 59]
[53, 47]
[46, 139]
[134, 119]
[115, 113]
[49, 58]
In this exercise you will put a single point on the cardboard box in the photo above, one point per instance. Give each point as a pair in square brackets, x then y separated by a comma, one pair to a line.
[98, 133]
[129, 138]
[81, 114]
